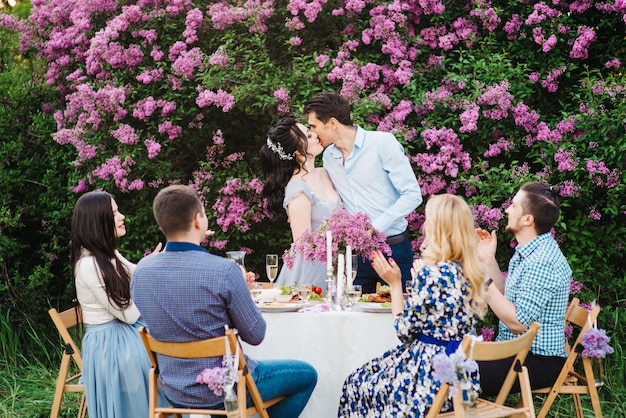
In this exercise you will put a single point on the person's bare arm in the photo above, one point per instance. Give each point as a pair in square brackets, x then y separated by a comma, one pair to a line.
[299, 215]
[389, 271]
[487, 245]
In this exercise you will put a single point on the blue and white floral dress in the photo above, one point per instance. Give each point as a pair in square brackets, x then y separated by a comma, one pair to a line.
[399, 383]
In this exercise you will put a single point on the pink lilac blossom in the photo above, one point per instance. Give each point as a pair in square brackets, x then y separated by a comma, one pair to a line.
[488, 334]
[148, 76]
[295, 41]
[534, 77]
[566, 160]
[450, 157]
[125, 134]
[347, 229]
[551, 81]
[187, 62]
[220, 99]
[219, 58]
[172, 131]
[451, 368]
[512, 27]
[569, 189]
[549, 43]
[596, 343]
[586, 37]
[487, 217]
[80, 187]
[469, 118]
[498, 97]
[502, 145]
[192, 24]
[434, 62]
[321, 60]
[282, 95]
[153, 147]
[574, 286]
[614, 63]
[594, 214]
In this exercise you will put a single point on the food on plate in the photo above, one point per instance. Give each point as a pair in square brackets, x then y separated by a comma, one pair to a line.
[316, 289]
[315, 296]
[286, 290]
[382, 296]
[386, 305]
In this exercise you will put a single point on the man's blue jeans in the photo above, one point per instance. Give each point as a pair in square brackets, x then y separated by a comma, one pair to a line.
[367, 277]
[293, 379]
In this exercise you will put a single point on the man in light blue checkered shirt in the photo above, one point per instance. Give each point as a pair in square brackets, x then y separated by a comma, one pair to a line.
[536, 288]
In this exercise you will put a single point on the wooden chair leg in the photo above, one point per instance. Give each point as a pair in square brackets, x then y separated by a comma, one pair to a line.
[578, 405]
[82, 409]
[58, 392]
[593, 391]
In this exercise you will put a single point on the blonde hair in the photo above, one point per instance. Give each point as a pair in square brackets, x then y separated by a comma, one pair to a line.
[450, 236]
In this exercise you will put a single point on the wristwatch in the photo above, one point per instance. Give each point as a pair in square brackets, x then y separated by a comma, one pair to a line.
[488, 283]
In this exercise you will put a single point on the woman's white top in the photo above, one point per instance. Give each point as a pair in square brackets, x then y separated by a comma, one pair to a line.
[96, 306]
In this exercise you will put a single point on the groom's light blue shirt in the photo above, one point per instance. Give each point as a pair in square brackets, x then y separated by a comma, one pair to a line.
[377, 178]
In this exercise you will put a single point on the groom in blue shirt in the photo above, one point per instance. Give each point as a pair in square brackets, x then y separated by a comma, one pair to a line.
[372, 174]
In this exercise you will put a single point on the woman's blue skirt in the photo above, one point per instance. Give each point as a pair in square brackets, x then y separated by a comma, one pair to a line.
[115, 371]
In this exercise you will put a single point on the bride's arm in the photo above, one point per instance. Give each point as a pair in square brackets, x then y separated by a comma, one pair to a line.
[299, 215]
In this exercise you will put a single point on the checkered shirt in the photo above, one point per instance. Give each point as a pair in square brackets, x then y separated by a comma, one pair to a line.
[538, 285]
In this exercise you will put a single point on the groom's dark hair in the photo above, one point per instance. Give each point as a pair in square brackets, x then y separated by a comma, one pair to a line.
[328, 105]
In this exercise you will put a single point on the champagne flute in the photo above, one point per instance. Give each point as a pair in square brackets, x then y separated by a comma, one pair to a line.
[271, 267]
[304, 292]
[353, 293]
[355, 265]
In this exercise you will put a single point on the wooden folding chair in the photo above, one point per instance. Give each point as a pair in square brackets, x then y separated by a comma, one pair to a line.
[489, 351]
[213, 347]
[569, 380]
[64, 321]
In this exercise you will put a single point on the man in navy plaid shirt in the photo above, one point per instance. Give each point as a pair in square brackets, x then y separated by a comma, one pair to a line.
[536, 288]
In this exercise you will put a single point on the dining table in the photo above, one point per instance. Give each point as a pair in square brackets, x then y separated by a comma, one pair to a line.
[334, 342]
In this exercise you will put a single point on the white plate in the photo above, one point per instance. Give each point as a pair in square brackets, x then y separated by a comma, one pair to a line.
[282, 307]
[372, 307]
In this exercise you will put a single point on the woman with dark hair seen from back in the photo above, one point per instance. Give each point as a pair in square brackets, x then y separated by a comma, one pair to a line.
[305, 192]
[115, 362]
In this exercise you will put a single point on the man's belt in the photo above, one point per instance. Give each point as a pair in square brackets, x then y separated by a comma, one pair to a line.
[397, 239]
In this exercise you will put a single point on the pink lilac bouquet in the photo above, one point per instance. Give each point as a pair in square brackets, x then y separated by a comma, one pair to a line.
[453, 368]
[596, 343]
[347, 229]
[219, 378]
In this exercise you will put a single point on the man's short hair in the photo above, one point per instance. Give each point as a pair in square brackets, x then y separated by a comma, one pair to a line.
[541, 201]
[328, 105]
[174, 208]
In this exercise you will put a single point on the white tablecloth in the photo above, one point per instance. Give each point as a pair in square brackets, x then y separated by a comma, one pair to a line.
[335, 343]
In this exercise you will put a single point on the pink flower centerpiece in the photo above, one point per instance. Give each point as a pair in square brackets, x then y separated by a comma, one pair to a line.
[347, 229]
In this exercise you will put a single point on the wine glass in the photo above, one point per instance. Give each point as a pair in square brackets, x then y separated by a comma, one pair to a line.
[271, 267]
[353, 293]
[256, 290]
[237, 257]
[355, 265]
[304, 292]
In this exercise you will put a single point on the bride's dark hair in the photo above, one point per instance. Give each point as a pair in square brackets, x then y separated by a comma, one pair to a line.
[286, 139]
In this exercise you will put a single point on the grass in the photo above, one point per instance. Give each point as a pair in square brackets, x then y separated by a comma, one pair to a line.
[29, 367]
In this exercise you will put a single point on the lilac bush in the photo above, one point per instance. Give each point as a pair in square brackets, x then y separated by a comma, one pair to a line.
[483, 95]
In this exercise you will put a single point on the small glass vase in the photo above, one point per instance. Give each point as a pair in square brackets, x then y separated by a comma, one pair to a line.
[230, 402]
[598, 370]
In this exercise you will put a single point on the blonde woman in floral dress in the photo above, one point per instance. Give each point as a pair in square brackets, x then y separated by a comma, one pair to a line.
[447, 299]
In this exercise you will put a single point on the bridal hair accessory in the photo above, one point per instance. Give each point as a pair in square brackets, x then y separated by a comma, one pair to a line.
[278, 149]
